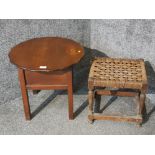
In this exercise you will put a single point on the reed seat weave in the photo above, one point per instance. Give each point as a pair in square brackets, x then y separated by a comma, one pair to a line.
[118, 73]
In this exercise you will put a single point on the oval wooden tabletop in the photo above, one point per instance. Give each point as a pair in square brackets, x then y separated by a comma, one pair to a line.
[46, 54]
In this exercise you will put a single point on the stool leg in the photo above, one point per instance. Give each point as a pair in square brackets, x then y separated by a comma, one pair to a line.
[24, 94]
[91, 101]
[70, 96]
[141, 106]
[142, 103]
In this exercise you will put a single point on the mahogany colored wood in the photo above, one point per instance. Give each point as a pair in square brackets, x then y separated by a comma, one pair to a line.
[21, 75]
[44, 64]
[70, 96]
[46, 78]
[46, 54]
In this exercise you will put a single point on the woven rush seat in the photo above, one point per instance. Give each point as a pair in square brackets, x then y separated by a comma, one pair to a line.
[117, 73]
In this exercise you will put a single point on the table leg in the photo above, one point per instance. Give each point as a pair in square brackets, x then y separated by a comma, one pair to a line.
[24, 94]
[70, 96]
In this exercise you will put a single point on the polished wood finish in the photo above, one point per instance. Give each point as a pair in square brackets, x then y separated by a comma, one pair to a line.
[21, 75]
[46, 54]
[46, 78]
[70, 95]
[44, 64]
[62, 81]
[117, 74]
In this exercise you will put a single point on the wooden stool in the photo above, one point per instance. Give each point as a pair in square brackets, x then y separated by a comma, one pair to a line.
[117, 73]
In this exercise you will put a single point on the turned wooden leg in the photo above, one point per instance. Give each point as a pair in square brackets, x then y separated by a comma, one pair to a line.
[142, 103]
[24, 94]
[90, 101]
[137, 103]
[70, 96]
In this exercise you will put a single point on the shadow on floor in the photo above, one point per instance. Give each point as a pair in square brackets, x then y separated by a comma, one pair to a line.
[151, 77]
[81, 108]
[97, 108]
[151, 88]
[45, 103]
[147, 115]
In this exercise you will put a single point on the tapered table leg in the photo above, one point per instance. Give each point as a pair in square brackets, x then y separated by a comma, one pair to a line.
[70, 96]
